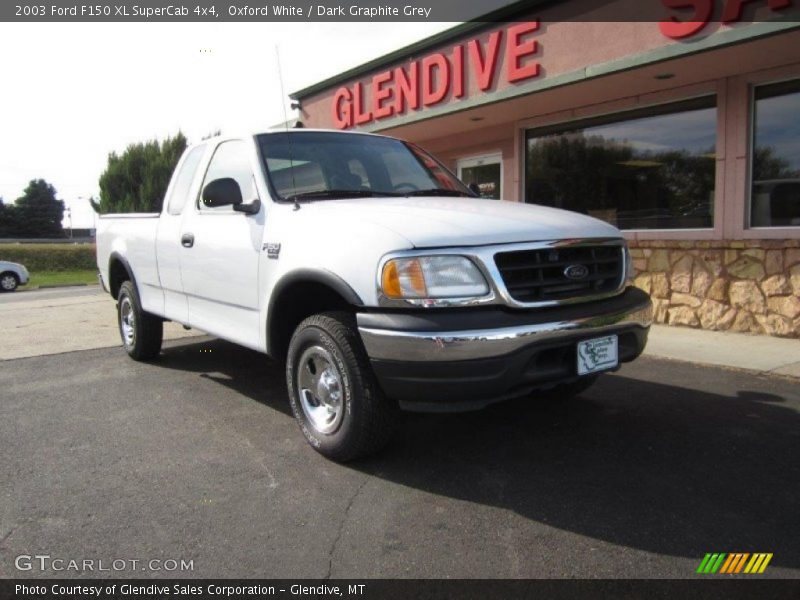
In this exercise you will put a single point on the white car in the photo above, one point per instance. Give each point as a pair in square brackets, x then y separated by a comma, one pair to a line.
[12, 275]
[381, 280]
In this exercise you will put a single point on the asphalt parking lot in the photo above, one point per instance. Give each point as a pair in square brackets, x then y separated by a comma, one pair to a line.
[197, 457]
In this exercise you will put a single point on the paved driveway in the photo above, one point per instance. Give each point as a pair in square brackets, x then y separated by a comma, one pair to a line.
[196, 457]
[57, 320]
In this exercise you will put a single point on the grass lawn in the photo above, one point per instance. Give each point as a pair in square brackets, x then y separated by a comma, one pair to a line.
[48, 278]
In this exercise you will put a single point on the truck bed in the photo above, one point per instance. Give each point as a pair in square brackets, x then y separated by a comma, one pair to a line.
[131, 237]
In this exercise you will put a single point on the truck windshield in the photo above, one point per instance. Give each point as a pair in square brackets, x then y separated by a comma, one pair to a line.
[320, 165]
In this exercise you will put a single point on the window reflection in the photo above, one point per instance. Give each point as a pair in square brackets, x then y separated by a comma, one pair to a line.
[775, 195]
[650, 169]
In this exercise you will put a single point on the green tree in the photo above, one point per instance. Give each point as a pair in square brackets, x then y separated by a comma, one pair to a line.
[137, 180]
[6, 219]
[768, 165]
[37, 213]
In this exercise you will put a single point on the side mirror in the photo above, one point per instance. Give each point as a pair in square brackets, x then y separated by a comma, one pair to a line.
[222, 192]
[475, 189]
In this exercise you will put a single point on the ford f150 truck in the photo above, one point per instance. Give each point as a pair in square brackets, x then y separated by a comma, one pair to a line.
[380, 279]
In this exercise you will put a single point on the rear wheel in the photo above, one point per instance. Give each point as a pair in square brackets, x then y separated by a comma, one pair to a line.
[333, 393]
[8, 282]
[141, 332]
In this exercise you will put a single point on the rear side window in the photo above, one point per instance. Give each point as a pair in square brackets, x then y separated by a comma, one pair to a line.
[183, 180]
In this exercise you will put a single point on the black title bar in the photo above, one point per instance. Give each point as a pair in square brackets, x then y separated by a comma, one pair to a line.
[386, 10]
[408, 589]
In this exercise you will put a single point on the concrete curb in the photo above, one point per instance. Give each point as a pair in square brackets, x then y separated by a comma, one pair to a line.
[756, 353]
[60, 285]
[51, 286]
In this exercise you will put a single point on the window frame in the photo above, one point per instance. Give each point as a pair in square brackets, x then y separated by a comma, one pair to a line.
[791, 231]
[707, 97]
[198, 204]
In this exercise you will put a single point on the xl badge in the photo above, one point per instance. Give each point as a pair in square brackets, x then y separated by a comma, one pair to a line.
[576, 271]
[273, 250]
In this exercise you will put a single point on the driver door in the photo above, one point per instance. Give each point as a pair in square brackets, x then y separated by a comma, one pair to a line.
[220, 252]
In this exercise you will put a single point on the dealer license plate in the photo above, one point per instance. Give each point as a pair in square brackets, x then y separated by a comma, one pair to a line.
[598, 354]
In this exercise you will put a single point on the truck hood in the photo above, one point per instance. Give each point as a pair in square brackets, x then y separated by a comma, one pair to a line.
[429, 222]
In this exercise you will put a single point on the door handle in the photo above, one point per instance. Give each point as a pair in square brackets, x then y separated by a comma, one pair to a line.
[187, 240]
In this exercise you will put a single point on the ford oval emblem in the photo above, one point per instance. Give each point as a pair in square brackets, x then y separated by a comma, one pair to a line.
[576, 271]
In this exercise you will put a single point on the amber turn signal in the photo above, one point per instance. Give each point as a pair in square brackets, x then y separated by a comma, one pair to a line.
[403, 278]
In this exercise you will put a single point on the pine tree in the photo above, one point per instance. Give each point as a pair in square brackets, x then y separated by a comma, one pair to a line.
[137, 180]
[37, 213]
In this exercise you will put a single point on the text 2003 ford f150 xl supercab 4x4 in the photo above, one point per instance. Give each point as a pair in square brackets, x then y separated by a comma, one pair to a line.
[379, 278]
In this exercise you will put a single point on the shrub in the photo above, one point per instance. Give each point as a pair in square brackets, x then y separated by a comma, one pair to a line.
[51, 257]
[137, 180]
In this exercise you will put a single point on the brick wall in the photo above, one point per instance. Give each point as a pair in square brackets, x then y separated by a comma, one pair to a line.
[746, 286]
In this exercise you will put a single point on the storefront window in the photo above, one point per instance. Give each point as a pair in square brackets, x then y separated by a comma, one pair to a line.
[649, 169]
[486, 178]
[483, 174]
[775, 194]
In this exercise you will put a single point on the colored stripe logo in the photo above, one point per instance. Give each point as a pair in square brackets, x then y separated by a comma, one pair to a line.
[734, 563]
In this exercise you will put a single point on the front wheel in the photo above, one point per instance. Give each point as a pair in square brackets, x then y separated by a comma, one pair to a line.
[8, 282]
[141, 332]
[333, 393]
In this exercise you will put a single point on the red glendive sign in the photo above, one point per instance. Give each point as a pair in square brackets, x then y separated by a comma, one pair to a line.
[429, 80]
[442, 75]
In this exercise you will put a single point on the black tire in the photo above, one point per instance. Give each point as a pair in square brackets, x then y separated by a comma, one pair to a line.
[10, 281]
[147, 330]
[366, 417]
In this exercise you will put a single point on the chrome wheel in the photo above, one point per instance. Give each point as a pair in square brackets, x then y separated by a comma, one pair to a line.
[319, 385]
[127, 321]
[8, 282]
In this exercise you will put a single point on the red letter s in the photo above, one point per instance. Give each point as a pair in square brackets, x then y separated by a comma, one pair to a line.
[676, 29]
[733, 9]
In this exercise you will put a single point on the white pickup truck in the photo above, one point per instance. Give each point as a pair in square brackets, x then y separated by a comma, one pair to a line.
[381, 280]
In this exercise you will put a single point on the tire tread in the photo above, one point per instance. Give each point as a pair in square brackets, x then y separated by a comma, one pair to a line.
[149, 328]
[376, 423]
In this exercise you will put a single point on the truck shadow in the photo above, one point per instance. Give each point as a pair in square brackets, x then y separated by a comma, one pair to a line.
[648, 458]
[661, 468]
[243, 371]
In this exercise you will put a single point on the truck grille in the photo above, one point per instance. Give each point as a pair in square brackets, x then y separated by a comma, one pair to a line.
[550, 274]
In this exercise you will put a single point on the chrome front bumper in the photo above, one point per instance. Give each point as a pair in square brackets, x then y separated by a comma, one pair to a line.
[473, 344]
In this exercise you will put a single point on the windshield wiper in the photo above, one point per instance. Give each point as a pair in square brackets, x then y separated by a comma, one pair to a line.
[334, 194]
[438, 192]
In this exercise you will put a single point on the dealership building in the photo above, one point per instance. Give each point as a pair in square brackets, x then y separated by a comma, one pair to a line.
[683, 132]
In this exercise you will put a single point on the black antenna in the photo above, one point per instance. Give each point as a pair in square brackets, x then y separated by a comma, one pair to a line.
[286, 127]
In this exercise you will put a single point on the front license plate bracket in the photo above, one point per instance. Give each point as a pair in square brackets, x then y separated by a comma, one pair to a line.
[598, 354]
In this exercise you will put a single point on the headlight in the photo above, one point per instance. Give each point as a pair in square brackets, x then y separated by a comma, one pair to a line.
[432, 277]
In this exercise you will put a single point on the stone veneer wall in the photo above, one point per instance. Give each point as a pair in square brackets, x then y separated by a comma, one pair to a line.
[747, 286]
